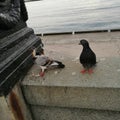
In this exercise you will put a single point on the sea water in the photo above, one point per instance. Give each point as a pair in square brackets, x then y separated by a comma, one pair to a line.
[51, 16]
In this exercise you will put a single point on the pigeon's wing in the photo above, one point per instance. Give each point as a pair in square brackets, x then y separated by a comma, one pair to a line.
[42, 60]
[91, 57]
[87, 57]
[56, 64]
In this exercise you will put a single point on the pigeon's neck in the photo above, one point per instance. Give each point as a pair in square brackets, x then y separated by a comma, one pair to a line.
[86, 46]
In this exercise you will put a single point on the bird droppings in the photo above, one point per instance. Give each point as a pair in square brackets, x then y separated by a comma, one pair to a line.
[118, 70]
[102, 59]
[75, 59]
[35, 75]
[56, 72]
[73, 73]
[43, 83]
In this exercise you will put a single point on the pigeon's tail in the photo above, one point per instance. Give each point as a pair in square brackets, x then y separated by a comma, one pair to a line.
[60, 64]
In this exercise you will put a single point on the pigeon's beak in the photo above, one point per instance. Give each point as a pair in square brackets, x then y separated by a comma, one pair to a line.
[79, 44]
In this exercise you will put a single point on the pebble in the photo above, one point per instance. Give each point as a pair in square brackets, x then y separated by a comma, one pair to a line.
[102, 59]
[73, 73]
[118, 70]
[56, 72]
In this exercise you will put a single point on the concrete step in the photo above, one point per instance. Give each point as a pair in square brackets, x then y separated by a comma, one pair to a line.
[61, 113]
[70, 89]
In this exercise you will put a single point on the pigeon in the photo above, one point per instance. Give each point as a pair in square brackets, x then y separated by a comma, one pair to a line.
[87, 57]
[46, 63]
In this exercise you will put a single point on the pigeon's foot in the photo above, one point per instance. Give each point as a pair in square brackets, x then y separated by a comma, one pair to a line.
[90, 71]
[83, 71]
[41, 74]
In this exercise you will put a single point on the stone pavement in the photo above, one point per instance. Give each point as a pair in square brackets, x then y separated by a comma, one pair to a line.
[106, 44]
[68, 88]
[65, 48]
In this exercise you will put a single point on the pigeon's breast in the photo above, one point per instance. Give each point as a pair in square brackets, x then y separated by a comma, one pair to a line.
[87, 56]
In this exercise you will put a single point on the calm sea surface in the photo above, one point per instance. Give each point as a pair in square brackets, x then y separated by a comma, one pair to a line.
[48, 16]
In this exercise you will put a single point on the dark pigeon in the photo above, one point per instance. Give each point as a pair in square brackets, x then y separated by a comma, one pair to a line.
[87, 57]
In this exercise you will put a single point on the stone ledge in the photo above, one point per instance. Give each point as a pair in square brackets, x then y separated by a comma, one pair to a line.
[58, 113]
[69, 88]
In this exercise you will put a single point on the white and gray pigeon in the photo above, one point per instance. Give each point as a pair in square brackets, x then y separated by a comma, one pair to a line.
[47, 63]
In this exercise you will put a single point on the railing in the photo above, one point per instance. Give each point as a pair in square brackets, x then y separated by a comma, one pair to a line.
[78, 32]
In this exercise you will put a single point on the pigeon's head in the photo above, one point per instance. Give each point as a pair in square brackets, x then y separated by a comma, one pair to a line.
[84, 42]
[40, 52]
